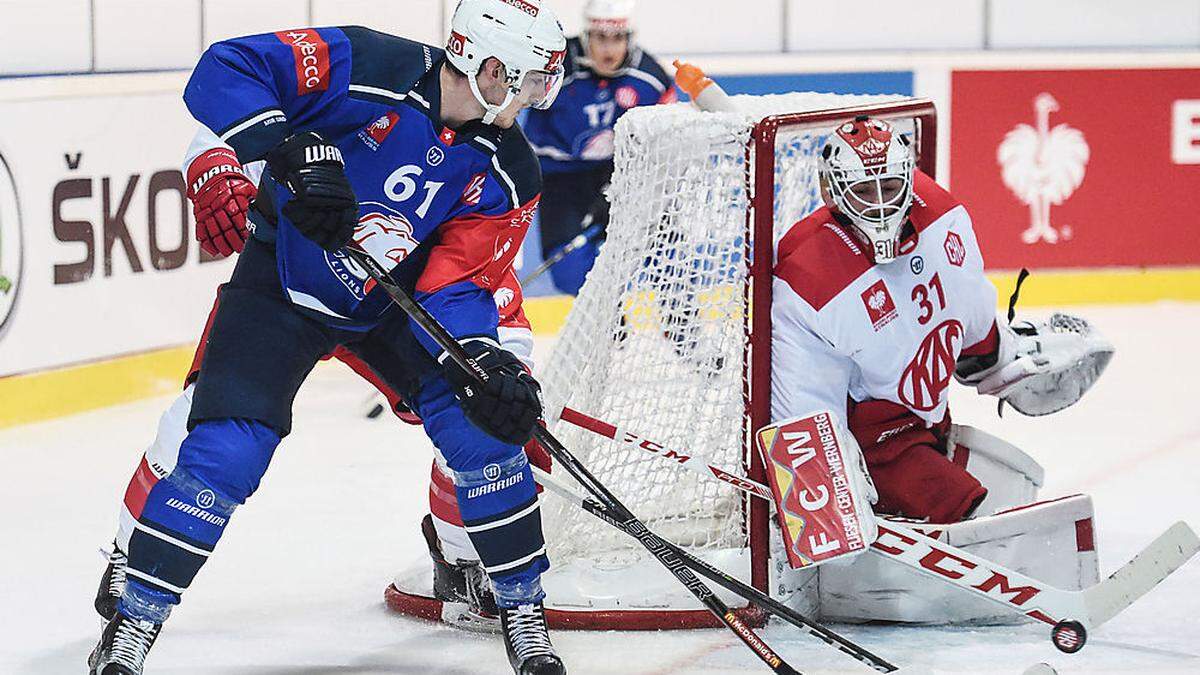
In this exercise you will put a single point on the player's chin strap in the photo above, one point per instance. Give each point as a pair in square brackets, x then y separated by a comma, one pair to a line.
[1045, 367]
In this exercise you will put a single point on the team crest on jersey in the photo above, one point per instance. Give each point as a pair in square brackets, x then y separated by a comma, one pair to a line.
[956, 251]
[375, 134]
[929, 373]
[881, 309]
[474, 190]
[384, 233]
[627, 97]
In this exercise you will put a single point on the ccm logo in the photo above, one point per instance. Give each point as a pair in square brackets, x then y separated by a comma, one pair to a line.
[946, 564]
[311, 54]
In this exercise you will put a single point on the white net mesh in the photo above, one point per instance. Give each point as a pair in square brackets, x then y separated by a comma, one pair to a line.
[656, 340]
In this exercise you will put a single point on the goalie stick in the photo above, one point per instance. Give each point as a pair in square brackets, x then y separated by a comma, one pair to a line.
[1071, 613]
[628, 521]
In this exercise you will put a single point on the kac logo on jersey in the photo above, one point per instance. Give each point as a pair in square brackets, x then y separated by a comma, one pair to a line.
[956, 251]
[881, 309]
[929, 373]
[435, 156]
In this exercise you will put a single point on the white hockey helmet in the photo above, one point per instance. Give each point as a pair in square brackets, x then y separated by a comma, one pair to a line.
[614, 17]
[609, 16]
[866, 170]
[524, 35]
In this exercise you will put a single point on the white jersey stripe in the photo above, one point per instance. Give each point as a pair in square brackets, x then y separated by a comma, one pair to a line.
[267, 114]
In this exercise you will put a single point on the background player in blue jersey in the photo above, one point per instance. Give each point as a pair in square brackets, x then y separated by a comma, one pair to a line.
[607, 74]
[411, 152]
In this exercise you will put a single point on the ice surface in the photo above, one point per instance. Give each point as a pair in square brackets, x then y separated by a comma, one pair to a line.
[296, 587]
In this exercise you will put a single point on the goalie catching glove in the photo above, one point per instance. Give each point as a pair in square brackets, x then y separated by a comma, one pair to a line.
[1041, 368]
[509, 405]
[324, 208]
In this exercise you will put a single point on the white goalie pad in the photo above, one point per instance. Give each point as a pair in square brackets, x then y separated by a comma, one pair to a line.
[1011, 476]
[1052, 542]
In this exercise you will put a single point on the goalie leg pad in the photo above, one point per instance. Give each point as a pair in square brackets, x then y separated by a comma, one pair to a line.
[1011, 477]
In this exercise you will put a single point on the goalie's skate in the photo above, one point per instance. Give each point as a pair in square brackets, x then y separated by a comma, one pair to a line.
[123, 646]
[462, 586]
[528, 641]
[112, 584]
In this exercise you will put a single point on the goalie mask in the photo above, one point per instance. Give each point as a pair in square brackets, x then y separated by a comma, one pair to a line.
[866, 171]
[524, 35]
[607, 19]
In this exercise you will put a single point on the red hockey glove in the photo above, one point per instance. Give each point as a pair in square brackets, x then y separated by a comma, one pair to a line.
[221, 196]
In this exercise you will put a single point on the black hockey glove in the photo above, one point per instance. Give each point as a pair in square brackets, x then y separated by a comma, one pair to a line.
[324, 208]
[509, 405]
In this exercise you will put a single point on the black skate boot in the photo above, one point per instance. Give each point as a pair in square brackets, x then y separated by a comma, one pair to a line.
[123, 646]
[112, 584]
[528, 641]
[463, 583]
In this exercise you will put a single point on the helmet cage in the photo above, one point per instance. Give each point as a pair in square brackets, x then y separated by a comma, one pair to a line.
[879, 218]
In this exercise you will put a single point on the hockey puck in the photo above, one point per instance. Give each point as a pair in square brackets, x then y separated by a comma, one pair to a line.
[1069, 636]
[375, 412]
[1040, 669]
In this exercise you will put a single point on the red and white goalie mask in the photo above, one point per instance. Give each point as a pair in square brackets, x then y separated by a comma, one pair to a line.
[866, 170]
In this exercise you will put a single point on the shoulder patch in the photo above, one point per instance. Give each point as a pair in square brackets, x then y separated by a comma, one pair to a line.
[930, 201]
[385, 67]
[818, 259]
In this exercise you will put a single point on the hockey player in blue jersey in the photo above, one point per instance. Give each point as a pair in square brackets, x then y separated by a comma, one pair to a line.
[607, 75]
[411, 152]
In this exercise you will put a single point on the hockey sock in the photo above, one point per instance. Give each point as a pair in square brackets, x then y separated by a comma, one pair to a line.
[500, 512]
[179, 517]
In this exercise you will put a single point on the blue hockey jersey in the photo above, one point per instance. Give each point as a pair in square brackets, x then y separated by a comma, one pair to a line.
[576, 133]
[448, 208]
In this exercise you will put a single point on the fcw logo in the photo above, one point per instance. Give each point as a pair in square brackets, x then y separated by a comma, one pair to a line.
[928, 375]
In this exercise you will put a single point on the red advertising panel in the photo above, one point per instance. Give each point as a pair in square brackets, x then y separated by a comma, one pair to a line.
[1079, 168]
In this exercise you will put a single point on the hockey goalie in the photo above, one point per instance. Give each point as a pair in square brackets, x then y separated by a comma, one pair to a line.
[879, 300]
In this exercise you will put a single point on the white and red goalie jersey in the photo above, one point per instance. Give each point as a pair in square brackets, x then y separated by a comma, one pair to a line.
[878, 343]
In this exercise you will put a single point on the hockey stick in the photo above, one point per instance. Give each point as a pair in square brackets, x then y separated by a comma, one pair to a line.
[1072, 613]
[621, 514]
[725, 580]
[579, 241]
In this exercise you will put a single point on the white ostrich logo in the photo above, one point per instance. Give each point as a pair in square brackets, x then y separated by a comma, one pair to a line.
[878, 300]
[1043, 167]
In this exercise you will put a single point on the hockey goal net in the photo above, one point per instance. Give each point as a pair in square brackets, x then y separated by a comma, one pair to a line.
[670, 339]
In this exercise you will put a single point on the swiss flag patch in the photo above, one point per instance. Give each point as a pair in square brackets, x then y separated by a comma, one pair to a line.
[311, 55]
[880, 307]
